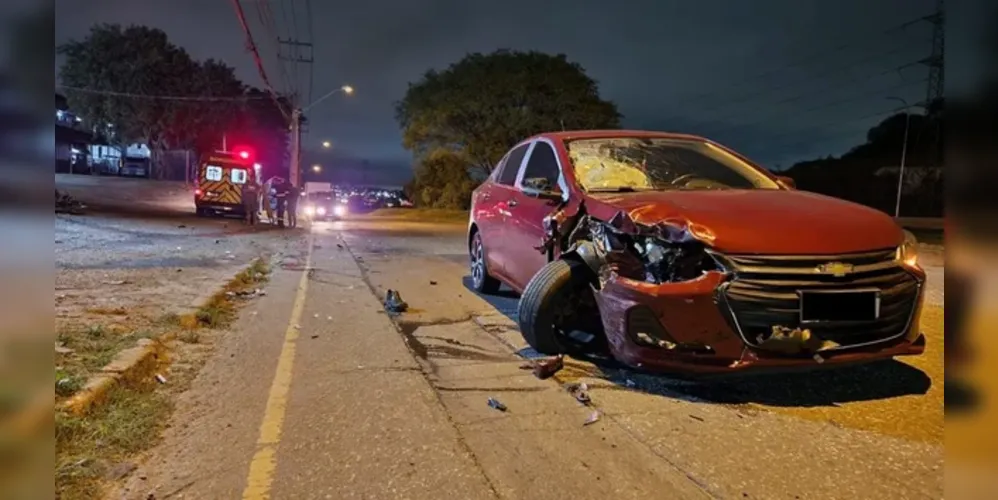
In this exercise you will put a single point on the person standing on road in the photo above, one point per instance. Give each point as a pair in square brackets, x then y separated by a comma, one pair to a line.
[282, 199]
[268, 199]
[251, 194]
[294, 194]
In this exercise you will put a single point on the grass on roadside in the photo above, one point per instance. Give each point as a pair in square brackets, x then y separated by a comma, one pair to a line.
[221, 308]
[92, 348]
[419, 215]
[93, 447]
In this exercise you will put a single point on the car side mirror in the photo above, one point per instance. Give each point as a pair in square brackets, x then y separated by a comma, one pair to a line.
[540, 187]
[788, 182]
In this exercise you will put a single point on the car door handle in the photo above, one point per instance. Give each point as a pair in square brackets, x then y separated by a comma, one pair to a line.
[512, 203]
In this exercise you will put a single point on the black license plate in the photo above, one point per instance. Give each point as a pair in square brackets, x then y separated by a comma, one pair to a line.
[853, 305]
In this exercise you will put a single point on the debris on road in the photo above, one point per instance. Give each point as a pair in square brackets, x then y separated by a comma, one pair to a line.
[246, 293]
[496, 404]
[433, 282]
[315, 336]
[545, 369]
[394, 303]
[694, 417]
[66, 204]
[580, 392]
[161, 379]
[339, 245]
[116, 282]
[593, 418]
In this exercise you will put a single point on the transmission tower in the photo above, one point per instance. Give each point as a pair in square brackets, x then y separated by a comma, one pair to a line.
[935, 61]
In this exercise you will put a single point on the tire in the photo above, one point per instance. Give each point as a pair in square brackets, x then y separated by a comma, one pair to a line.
[536, 313]
[481, 280]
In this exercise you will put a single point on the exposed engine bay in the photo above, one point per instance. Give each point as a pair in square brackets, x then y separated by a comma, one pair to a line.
[667, 252]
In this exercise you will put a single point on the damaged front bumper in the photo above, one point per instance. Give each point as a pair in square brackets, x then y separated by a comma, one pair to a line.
[692, 327]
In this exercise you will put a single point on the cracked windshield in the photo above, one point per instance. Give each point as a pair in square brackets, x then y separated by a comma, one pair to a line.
[640, 164]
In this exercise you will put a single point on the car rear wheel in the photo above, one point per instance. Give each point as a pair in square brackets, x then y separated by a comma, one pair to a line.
[481, 280]
[558, 313]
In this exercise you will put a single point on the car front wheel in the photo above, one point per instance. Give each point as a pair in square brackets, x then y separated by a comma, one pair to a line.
[481, 281]
[558, 313]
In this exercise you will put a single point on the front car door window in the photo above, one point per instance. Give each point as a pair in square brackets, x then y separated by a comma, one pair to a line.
[543, 164]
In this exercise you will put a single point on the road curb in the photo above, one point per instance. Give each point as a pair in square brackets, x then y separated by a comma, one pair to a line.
[138, 363]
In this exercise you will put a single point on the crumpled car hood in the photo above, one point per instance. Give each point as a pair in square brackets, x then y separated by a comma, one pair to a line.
[761, 221]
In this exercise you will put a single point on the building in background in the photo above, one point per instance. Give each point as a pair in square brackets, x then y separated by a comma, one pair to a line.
[72, 142]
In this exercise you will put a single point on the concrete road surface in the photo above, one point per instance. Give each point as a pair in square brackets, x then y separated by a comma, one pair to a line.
[317, 393]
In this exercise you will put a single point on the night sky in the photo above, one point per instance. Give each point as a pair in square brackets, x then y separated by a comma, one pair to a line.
[780, 80]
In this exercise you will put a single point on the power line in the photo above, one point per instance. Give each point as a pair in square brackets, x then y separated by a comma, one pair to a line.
[160, 97]
[256, 56]
[820, 107]
[311, 73]
[811, 58]
[266, 17]
[797, 132]
[821, 75]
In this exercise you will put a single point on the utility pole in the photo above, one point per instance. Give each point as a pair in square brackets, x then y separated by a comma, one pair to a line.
[294, 176]
[297, 52]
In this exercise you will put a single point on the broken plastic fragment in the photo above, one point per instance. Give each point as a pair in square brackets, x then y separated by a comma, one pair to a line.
[580, 392]
[546, 368]
[791, 341]
[593, 418]
[496, 404]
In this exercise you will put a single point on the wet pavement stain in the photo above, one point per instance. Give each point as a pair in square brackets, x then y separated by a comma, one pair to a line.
[453, 350]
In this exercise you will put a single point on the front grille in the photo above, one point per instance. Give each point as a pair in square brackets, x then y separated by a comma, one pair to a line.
[764, 293]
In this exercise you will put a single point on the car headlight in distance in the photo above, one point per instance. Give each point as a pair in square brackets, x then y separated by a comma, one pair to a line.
[907, 253]
[321, 211]
[340, 210]
[309, 210]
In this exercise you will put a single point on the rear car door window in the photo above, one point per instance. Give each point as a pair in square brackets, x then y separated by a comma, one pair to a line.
[543, 164]
[507, 175]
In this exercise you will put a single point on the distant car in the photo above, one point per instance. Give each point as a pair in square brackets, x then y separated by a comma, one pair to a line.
[671, 252]
[326, 206]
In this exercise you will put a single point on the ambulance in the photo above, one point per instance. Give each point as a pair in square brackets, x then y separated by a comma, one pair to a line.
[220, 180]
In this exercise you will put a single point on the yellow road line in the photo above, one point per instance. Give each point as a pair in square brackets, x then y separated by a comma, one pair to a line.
[261, 470]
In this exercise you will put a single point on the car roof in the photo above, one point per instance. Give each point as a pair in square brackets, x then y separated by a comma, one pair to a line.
[604, 134]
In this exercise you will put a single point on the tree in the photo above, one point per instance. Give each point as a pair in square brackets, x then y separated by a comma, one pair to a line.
[483, 104]
[441, 181]
[118, 66]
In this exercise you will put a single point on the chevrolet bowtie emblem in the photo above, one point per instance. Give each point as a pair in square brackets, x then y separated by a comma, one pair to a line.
[837, 269]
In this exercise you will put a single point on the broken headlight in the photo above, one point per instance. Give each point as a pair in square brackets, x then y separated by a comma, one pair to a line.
[907, 253]
[673, 262]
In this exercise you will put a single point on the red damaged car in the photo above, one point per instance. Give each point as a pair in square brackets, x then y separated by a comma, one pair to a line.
[672, 252]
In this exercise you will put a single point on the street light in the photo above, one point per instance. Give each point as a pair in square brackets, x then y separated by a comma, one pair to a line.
[904, 152]
[346, 89]
[316, 168]
[327, 144]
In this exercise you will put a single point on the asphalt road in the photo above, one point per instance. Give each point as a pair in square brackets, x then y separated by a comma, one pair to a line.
[317, 393]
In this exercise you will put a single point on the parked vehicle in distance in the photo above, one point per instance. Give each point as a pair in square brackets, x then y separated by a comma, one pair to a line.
[672, 252]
